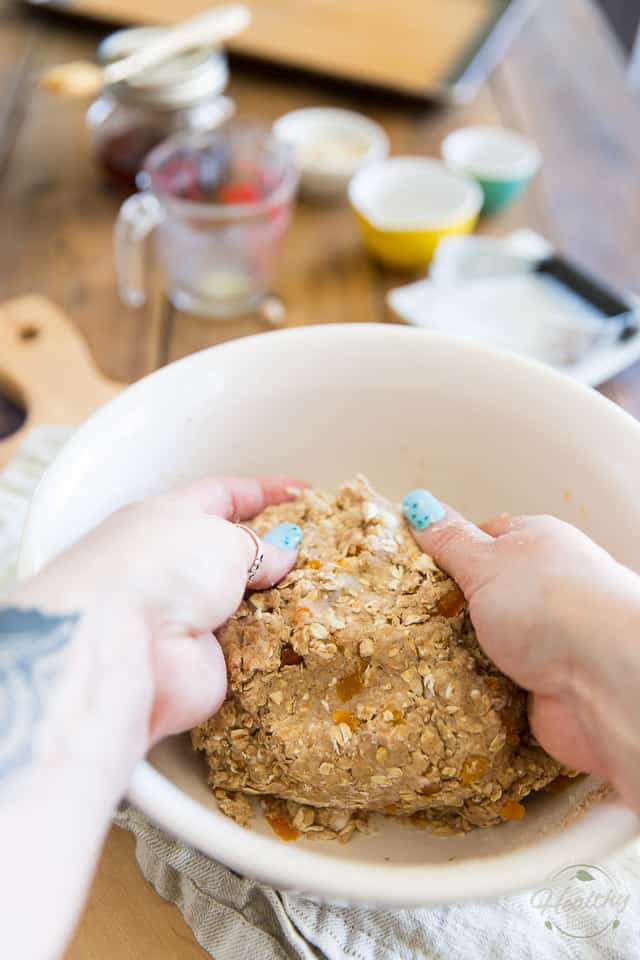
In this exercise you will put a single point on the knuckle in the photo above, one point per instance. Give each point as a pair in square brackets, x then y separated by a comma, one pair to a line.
[446, 539]
[456, 553]
[551, 531]
[237, 545]
[546, 523]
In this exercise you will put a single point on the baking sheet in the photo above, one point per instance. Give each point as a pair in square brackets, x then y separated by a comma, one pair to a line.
[421, 47]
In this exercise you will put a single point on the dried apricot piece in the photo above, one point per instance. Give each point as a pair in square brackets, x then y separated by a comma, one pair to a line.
[512, 810]
[451, 603]
[473, 768]
[301, 613]
[347, 687]
[345, 716]
[282, 827]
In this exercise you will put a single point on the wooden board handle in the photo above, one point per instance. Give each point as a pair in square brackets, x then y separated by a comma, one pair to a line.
[46, 367]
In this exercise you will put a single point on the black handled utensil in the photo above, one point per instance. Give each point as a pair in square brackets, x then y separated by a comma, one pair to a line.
[593, 291]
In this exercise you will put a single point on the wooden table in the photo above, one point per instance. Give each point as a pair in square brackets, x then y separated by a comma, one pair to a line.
[562, 83]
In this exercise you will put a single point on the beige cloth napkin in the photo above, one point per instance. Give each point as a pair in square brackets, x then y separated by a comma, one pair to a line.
[238, 919]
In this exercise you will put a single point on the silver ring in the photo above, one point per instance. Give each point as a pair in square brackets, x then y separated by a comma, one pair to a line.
[259, 557]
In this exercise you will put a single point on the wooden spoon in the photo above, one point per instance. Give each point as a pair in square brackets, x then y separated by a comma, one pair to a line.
[82, 78]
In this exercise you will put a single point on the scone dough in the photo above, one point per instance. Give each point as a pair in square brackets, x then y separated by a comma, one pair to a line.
[357, 684]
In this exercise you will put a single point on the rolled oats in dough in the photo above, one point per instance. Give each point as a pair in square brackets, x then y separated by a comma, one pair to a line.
[357, 685]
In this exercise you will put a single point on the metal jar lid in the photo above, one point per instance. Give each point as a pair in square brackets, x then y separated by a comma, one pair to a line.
[182, 82]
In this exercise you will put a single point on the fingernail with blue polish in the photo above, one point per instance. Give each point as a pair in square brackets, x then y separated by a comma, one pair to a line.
[287, 536]
[422, 509]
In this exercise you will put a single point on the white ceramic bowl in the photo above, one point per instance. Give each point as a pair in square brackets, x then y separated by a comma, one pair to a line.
[489, 432]
[330, 146]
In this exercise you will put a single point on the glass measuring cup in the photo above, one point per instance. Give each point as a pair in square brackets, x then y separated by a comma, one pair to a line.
[219, 204]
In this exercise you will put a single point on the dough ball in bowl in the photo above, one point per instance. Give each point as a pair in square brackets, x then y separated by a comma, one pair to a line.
[357, 685]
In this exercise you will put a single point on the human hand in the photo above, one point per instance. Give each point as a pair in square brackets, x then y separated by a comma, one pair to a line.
[167, 572]
[105, 651]
[561, 617]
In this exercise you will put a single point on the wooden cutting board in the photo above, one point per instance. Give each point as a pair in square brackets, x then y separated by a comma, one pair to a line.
[46, 368]
[414, 46]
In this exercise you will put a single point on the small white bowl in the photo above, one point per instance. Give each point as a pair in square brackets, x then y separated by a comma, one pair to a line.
[408, 408]
[502, 161]
[330, 146]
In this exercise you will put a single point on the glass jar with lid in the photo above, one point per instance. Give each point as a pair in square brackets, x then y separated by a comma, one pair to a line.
[128, 119]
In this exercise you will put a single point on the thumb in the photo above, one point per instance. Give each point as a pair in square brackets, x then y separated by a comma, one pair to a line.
[191, 682]
[456, 544]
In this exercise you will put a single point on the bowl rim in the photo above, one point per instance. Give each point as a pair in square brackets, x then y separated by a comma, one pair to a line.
[598, 832]
[601, 831]
[466, 208]
[454, 149]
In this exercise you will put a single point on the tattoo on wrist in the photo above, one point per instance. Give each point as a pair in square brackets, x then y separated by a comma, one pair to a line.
[32, 652]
